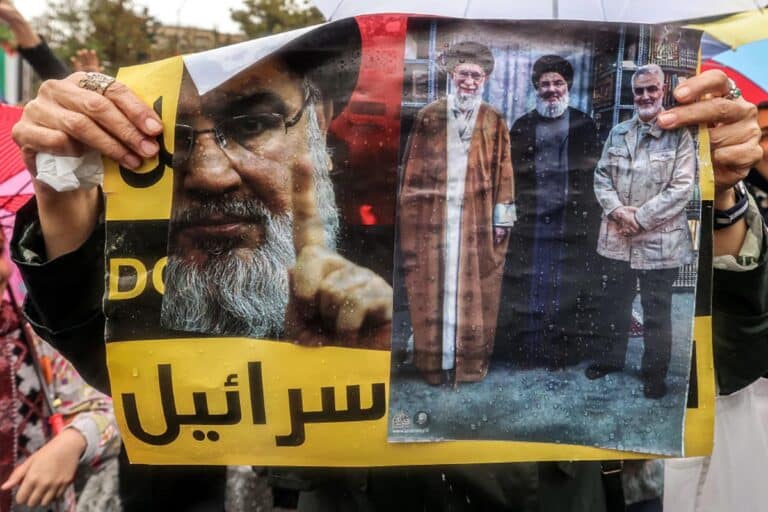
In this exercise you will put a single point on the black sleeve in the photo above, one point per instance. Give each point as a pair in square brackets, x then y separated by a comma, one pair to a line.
[740, 325]
[44, 62]
[64, 295]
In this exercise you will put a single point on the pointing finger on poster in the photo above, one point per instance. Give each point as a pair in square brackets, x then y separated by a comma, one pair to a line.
[313, 260]
[307, 225]
[332, 299]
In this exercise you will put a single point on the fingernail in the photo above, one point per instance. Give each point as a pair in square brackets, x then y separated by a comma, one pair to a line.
[152, 125]
[667, 118]
[131, 161]
[148, 147]
[683, 91]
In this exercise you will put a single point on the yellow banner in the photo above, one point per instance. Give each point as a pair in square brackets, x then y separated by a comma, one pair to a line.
[277, 416]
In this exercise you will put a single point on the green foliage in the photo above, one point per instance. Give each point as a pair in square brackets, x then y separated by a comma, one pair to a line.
[5, 34]
[120, 32]
[264, 17]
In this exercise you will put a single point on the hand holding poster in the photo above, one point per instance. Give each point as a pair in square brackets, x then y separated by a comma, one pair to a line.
[286, 147]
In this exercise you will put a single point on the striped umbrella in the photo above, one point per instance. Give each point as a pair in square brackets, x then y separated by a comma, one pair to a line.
[738, 45]
[15, 184]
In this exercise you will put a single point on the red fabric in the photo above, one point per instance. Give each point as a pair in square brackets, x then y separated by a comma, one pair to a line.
[751, 91]
[11, 162]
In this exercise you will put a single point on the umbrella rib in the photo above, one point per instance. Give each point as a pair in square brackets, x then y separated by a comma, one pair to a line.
[15, 194]
[466, 9]
[333, 14]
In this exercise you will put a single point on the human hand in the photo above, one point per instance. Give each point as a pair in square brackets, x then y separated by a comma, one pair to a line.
[45, 475]
[86, 60]
[499, 234]
[8, 12]
[332, 300]
[625, 216]
[734, 133]
[25, 36]
[65, 120]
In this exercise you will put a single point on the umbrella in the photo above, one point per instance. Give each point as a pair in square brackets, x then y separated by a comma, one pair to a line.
[626, 11]
[738, 45]
[15, 185]
[737, 30]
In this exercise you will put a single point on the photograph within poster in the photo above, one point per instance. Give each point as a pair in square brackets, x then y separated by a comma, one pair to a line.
[546, 248]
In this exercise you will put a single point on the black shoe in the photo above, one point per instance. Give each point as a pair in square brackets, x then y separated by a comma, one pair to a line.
[597, 371]
[655, 389]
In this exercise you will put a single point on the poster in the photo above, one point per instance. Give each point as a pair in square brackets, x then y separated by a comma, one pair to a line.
[546, 259]
[282, 146]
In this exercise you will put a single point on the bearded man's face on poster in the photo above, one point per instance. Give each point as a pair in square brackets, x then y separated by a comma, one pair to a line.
[230, 236]
[552, 95]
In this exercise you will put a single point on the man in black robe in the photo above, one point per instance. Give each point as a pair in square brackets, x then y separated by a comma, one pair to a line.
[548, 311]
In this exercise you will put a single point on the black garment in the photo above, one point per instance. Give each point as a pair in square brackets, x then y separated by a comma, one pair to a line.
[758, 187]
[164, 488]
[526, 487]
[44, 62]
[654, 505]
[740, 324]
[63, 302]
[656, 298]
[577, 309]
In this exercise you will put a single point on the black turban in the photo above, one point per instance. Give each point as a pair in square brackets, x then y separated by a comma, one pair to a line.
[552, 64]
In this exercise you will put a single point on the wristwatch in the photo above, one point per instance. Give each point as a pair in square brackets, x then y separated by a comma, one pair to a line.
[729, 217]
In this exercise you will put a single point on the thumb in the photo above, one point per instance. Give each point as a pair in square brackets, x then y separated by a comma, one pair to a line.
[30, 160]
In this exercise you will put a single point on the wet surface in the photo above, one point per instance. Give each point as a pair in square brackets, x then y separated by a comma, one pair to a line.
[562, 406]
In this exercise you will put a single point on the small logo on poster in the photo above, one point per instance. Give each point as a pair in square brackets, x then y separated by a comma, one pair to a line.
[402, 423]
[401, 420]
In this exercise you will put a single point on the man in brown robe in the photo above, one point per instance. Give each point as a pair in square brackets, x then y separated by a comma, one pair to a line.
[456, 210]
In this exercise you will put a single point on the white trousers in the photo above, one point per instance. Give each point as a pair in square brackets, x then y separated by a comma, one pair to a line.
[735, 477]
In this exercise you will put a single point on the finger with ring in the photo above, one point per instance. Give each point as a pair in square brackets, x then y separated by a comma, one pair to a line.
[96, 82]
[733, 91]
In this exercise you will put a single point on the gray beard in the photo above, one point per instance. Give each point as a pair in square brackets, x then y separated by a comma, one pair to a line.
[239, 292]
[235, 293]
[552, 111]
[651, 111]
[466, 102]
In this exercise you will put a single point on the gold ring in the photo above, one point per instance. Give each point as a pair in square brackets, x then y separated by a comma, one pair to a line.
[96, 82]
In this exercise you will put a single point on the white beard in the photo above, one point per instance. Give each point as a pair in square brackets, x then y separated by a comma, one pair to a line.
[552, 111]
[650, 111]
[465, 102]
[245, 293]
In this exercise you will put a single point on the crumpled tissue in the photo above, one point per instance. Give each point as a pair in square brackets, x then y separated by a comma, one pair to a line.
[64, 173]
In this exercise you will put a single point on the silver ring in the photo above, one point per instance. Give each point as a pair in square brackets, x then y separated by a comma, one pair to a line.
[96, 82]
[734, 92]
